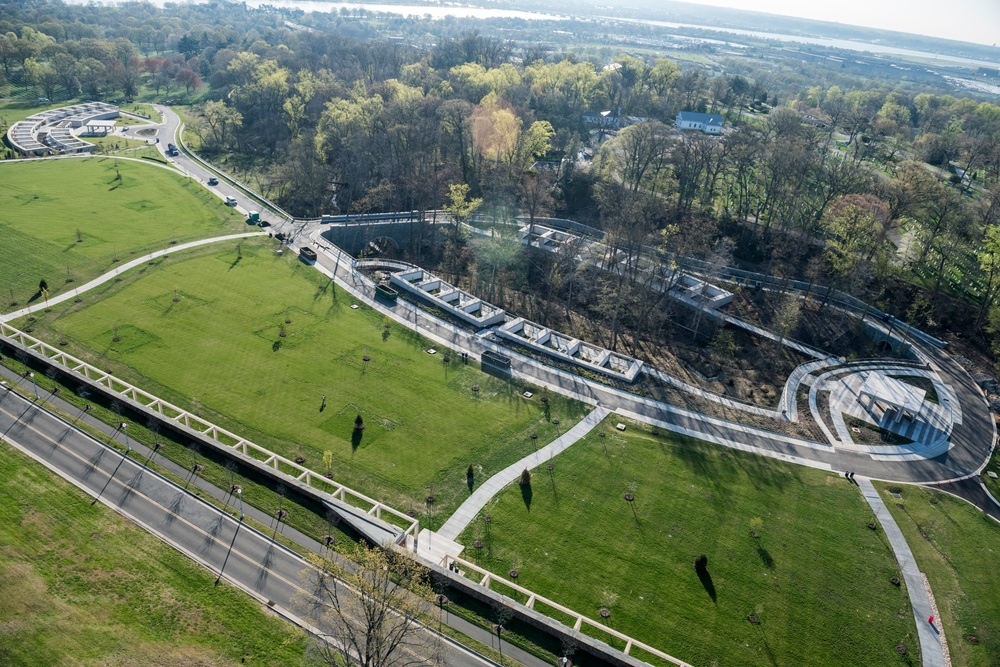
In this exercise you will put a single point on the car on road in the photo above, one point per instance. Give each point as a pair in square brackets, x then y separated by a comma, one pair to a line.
[213, 181]
[230, 201]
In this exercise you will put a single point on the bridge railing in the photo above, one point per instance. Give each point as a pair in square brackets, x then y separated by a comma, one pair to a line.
[217, 435]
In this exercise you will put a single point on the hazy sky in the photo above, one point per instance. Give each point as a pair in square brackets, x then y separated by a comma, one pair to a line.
[965, 20]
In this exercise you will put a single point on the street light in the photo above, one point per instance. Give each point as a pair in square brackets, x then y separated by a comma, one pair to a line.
[128, 449]
[33, 385]
[239, 494]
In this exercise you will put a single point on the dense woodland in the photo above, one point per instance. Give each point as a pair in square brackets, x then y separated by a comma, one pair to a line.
[886, 189]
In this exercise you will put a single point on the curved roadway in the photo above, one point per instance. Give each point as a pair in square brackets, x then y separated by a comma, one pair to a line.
[972, 439]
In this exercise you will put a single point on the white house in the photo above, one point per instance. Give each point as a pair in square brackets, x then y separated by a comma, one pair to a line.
[706, 122]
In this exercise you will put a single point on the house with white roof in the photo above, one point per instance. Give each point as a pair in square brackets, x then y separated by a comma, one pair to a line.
[709, 123]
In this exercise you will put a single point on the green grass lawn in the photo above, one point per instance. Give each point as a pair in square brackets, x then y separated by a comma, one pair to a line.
[218, 349]
[992, 484]
[108, 144]
[816, 577]
[11, 112]
[957, 547]
[44, 203]
[82, 586]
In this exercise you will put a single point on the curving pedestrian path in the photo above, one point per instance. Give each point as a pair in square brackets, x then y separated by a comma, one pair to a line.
[931, 638]
[468, 510]
[110, 275]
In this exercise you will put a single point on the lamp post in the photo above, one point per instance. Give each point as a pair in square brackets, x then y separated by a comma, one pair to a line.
[128, 449]
[124, 428]
[239, 494]
[34, 386]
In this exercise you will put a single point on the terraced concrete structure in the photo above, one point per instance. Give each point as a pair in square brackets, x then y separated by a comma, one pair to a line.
[52, 130]
[461, 304]
[573, 350]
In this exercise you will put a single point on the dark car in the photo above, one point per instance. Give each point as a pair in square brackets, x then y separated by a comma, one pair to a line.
[213, 181]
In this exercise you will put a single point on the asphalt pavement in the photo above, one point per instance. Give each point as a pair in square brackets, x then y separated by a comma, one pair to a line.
[218, 540]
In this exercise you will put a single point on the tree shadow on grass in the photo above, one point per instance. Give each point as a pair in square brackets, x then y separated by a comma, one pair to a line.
[700, 462]
[276, 345]
[765, 557]
[701, 569]
[526, 494]
[35, 297]
[356, 439]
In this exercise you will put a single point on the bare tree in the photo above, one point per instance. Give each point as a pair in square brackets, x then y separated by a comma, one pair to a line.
[368, 614]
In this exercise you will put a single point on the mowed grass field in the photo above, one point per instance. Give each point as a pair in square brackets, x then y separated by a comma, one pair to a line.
[957, 547]
[121, 208]
[205, 333]
[82, 586]
[816, 577]
[11, 112]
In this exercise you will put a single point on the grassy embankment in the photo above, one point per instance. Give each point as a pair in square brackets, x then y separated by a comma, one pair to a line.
[205, 332]
[815, 576]
[957, 547]
[81, 585]
[68, 220]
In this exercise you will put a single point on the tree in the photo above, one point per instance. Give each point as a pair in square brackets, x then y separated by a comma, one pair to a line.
[639, 151]
[989, 264]
[854, 224]
[459, 206]
[189, 79]
[536, 195]
[368, 614]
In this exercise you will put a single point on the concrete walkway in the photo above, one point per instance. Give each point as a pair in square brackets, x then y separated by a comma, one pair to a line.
[100, 280]
[465, 514]
[931, 638]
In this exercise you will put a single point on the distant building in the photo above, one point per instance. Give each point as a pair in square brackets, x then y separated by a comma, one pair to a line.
[709, 123]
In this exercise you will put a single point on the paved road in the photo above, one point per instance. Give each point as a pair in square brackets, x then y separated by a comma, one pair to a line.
[972, 439]
[252, 561]
[168, 132]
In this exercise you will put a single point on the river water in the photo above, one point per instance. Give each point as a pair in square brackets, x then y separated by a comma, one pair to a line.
[821, 41]
[440, 11]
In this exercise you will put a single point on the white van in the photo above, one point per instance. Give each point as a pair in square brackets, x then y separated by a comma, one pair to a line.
[230, 201]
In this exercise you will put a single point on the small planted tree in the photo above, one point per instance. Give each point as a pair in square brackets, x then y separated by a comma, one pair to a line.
[359, 423]
[525, 477]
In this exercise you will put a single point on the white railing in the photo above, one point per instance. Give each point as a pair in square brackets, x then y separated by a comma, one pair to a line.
[223, 437]
[579, 619]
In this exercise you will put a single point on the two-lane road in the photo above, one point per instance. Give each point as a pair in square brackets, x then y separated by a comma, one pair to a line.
[216, 539]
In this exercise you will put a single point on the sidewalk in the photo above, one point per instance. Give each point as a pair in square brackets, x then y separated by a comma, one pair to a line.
[930, 638]
[468, 510]
[48, 303]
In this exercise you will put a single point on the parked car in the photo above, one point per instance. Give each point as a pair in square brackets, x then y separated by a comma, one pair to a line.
[213, 181]
[230, 201]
